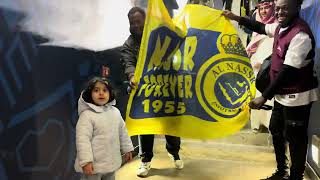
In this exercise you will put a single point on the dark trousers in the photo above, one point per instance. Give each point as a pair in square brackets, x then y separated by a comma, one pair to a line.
[146, 143]
[290, 124]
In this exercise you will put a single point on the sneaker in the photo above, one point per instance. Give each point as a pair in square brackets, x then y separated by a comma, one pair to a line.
[178, 163]
[278, 175]
[144, 169]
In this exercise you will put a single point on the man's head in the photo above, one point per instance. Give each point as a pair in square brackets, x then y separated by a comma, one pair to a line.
[286, 11]
[266, 10]
[136, 17]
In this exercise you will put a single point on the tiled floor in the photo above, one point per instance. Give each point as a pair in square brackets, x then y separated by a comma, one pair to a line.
[233, 158]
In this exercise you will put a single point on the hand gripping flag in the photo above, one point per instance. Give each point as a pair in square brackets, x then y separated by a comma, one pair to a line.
[194, 77]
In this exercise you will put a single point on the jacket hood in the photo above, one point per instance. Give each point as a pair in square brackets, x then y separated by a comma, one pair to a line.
[83, 105]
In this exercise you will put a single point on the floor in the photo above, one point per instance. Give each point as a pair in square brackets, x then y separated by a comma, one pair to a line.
[243, 156]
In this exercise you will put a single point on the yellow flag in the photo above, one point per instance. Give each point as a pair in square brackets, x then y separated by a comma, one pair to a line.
[194, 77]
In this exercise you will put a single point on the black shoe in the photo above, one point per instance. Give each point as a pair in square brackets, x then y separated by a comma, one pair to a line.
[295, 178]
[278, 175]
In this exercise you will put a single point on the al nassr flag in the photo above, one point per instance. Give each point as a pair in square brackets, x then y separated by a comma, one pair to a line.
[194, 77]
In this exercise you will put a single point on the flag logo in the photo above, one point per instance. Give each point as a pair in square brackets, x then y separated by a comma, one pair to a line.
[193, 76]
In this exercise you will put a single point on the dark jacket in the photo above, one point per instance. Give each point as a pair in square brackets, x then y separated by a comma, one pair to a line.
[129, 55]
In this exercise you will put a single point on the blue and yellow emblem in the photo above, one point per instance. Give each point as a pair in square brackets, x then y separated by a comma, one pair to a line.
[194, 78]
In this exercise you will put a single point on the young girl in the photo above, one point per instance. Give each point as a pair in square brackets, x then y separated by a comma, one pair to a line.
[101, 135]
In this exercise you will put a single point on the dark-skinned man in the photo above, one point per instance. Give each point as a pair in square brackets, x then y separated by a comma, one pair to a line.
[129, 53]
[293, 85]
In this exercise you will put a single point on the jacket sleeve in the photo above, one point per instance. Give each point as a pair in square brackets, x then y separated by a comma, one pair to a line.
[84, 130]
[125, 141]
[128, 59]
[253, 25]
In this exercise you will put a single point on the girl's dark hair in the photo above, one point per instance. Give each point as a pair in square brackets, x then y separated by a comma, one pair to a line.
[136, 9]
[87, 97]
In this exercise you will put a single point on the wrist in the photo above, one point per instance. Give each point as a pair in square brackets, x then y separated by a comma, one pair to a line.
[237, 18]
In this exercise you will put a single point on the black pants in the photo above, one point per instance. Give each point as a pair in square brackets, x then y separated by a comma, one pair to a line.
[172, 146]
[290, 124]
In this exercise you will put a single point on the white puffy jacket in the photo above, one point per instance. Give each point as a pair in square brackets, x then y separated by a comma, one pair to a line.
[101, 137]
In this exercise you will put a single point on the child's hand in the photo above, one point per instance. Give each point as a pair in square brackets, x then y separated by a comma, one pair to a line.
[88, 169]
[128, 156]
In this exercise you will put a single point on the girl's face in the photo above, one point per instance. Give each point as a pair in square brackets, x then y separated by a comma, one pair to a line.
[100, 94]
[264, 10]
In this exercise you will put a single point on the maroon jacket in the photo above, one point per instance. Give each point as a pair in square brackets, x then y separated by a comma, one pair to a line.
[305, 79]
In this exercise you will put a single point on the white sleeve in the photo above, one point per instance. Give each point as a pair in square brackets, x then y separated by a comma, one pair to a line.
[125, 140]
[271, 29]
[84, 130]
[298, 50]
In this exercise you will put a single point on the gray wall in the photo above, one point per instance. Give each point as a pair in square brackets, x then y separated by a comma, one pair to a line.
[310, 12]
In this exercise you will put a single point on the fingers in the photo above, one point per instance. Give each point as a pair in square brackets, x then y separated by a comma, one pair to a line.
[251, 105]
[133, 84]
[128, 156]
[88, 169]
[90, 172]
[257, 103]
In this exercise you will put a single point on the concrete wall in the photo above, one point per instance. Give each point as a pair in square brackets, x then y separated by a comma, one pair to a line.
[39, 88]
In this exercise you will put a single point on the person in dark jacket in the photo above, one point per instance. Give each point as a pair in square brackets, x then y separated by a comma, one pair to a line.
[293, 85]
[129, 53]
